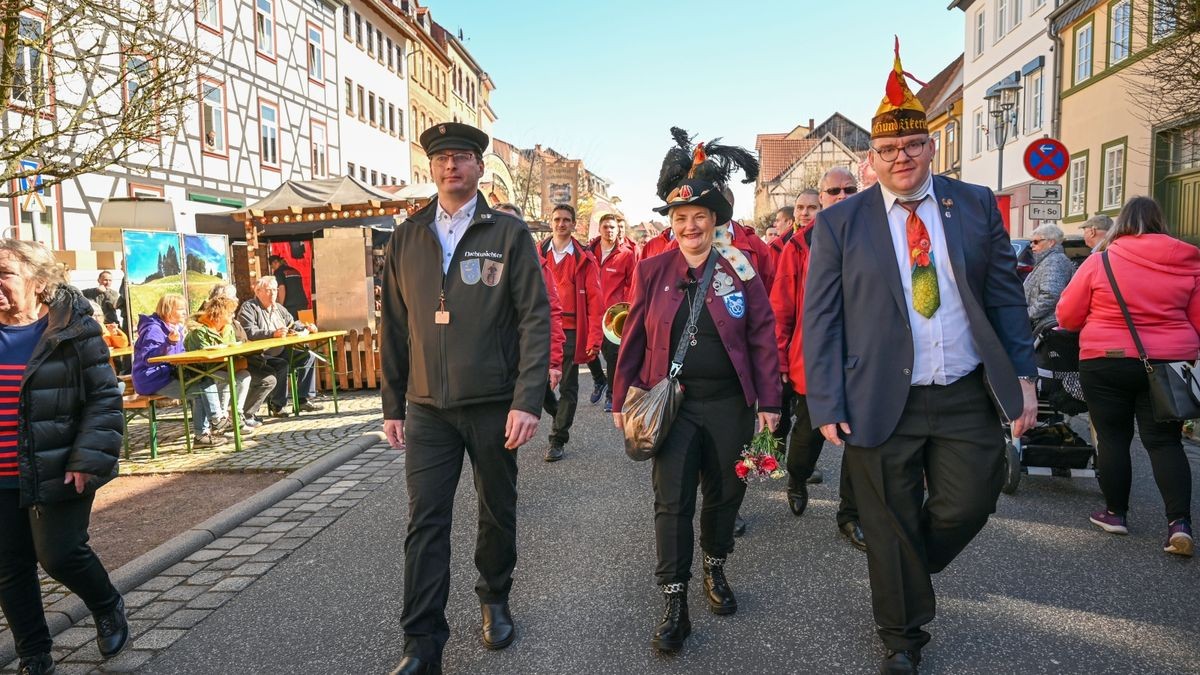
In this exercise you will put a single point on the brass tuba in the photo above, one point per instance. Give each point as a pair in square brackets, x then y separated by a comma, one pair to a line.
[614, 321]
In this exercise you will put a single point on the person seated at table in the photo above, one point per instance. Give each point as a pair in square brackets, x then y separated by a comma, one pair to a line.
[264, 318]
[254, 377]
[213, 328]
[162, 334]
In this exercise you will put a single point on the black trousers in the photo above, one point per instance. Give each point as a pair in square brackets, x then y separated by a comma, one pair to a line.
[609, 350]
[1117, 393]
[785, 420]
[55, 535]
[306, 376]
[568, 395]
[436, 439]
[804, 449]
[701, 448]
[950, 437]
[597, 370]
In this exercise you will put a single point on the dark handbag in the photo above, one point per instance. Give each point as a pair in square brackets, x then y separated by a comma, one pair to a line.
[1174, 388]
[649, 412]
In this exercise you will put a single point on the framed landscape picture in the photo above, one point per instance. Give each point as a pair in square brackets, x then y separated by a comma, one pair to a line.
[153, 266]
[206, 264]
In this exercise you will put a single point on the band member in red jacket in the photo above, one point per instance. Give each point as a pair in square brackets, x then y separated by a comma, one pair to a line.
[617, 258]
[577, 277]
[557, 338]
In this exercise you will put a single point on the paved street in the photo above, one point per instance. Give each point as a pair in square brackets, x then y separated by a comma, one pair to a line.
[1040, 591]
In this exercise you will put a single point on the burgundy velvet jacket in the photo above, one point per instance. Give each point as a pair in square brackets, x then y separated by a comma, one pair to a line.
[742, 315]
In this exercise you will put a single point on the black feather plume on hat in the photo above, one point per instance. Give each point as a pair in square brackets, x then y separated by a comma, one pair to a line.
[710, 161]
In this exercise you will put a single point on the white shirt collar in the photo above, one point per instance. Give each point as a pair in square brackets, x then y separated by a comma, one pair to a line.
[890, 199]
[467, 209]
[569, 249]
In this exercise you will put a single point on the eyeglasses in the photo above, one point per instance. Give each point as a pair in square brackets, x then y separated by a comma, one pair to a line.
[835, 191]
[889, 153]
[456, 157]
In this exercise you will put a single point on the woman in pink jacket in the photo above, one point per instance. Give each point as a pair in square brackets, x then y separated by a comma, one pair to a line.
[1159, 277]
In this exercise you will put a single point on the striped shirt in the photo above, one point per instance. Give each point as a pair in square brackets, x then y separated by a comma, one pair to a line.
[16, 348]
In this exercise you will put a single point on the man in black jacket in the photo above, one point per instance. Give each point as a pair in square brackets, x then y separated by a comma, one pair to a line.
[465, 352]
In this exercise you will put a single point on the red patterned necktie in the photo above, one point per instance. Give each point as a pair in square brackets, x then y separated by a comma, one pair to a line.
[926, 298]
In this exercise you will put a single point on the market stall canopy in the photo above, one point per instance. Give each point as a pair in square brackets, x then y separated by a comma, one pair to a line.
[305, 206]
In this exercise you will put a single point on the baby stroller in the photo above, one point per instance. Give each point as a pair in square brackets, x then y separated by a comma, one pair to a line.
[1052, 448]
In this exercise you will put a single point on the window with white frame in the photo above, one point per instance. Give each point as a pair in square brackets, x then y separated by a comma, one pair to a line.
[1077, 186]
[358, 30]
[264, 26]
[268, 134]
[391, 55]
[212, 116]
[1037, 4]
[370, 40]
[29, 78]
[400, 60]
[379, 56]
[1013, 116]
[1034, 92]
[350, 169]
[371, 108]
[316, 53]
[980, 32]
[1083, 53]
[320, 150]
[1120, 17]
[346, 27]
[1164, 18]
[978, 129]
[937, 151]
[1113, 194]
[1183, 149]
[208, 13]
[362, 102]
[138, 70]
[1002, 19]
[374, 177]
[362, 173]
[349, 97]
[1016, 12]
[391, 118]
[400, 122]
[951, 144]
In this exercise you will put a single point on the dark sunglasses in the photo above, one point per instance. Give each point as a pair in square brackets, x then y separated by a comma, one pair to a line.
[835, 191]
[1036, 241]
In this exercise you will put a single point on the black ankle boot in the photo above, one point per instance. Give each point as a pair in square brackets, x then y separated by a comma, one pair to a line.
[720, 595]
[676, 625]
[42, 664]
[112, 630]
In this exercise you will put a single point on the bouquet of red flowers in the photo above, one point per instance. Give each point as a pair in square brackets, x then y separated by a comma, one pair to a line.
[762, 459]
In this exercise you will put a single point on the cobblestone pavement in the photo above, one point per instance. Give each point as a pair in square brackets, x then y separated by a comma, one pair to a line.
[163, 609]
[280, 445]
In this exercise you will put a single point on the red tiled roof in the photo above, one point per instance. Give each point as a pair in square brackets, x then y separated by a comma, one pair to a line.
[775, 155]
[933, 92]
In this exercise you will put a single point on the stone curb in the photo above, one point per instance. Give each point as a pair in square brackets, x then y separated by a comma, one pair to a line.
[66, 612]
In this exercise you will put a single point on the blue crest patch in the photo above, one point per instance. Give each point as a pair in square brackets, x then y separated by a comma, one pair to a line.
[735, 304]
[471, 272]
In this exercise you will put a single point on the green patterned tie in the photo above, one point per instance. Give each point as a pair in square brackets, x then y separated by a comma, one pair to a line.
[926, 298]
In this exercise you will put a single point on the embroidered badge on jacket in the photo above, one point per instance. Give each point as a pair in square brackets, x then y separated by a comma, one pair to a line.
[492, 271]
[735, 304]
[470, 271]
[722, 283]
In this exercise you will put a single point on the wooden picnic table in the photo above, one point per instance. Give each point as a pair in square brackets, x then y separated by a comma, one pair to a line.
[197, 364]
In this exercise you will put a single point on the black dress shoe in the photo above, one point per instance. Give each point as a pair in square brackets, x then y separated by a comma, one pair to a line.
[739, 526]
[898, 663]
[676, 625]
[412, 665]
[555, 453]
[816, 477]
[42, 664]
[797, 497]
[854, 534]
[498, 630]
[720, 596]
[112, 630]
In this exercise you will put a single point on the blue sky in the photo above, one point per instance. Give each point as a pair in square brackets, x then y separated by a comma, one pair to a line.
[605, 81]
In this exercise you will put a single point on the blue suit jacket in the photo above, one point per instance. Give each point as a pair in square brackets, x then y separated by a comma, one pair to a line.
[858, 346]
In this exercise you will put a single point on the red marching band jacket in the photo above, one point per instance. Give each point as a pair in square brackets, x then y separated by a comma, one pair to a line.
[741, 313]
[787, 300]
[588, 310]
[744, 239]
[557, 337]
[616, 271]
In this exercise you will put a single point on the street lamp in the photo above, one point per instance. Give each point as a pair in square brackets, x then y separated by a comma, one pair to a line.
[999, 107]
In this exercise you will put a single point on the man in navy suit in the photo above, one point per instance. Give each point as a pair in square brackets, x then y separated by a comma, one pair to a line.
[916, 349]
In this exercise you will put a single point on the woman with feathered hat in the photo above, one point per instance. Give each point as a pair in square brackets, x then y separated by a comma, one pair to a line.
[707, 293]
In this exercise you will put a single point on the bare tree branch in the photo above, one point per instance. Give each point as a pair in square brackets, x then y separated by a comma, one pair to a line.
[1166, 80]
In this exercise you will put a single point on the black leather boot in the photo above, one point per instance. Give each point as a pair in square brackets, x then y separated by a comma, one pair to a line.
[675, 625]
[112, 630]
[42, 664]
[720, 595]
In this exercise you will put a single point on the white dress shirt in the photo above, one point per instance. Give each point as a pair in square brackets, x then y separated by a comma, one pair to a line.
[559, 255]
[943, 348]
[451, 228]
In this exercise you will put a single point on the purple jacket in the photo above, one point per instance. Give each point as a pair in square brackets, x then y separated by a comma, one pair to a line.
[152, 341]
[742, 314]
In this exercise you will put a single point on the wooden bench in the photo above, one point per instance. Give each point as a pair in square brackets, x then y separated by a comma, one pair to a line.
[136, 405]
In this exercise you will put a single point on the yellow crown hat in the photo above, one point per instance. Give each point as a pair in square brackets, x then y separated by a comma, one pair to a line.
[900, 113]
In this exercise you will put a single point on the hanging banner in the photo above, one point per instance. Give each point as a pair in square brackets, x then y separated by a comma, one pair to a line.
[560, 184]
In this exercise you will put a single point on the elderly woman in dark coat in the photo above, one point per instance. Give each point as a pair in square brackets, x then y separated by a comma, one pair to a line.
[60, 435]
[1052, 271]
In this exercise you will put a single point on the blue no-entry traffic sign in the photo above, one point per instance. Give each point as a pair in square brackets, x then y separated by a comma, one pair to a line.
[1046, 159]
